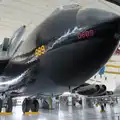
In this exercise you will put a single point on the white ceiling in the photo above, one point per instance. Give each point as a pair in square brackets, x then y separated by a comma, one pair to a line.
[14, 13]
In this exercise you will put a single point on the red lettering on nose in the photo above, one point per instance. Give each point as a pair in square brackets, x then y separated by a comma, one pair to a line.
[91, 32]
[83, 35]
[86, 34]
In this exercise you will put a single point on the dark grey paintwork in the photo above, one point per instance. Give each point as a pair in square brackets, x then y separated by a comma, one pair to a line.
[68, 60]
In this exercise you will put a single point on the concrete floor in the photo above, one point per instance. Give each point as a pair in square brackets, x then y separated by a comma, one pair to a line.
[68, 113]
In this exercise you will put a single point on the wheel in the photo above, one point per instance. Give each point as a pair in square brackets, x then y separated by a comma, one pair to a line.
[0, 105]
[35, 106]
[9, 105]
[26, 105]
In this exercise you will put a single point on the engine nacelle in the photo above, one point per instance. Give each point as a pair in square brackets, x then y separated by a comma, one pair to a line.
[92, 90]
[101, 91]
[88, 90]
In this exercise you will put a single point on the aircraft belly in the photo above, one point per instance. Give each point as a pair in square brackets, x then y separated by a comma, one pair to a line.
[75, 63]
[44, 85]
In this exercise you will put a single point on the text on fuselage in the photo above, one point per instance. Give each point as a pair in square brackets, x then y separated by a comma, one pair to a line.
[86, 34]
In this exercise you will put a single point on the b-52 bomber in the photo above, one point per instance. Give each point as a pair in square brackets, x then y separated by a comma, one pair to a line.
[64, 51]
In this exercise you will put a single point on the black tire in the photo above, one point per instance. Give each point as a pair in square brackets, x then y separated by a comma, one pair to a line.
[9, 105]
[35, 106]
[26, 105]
[0, 105]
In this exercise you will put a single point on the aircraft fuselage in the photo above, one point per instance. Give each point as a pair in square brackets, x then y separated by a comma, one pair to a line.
[77, 43]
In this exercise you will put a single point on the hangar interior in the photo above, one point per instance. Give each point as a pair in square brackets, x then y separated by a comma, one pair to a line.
[95, 98]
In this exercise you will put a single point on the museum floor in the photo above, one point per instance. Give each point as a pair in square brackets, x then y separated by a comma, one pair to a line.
[67, 113]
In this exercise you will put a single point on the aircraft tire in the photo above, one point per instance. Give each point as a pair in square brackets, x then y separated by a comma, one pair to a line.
[26, 105]
[9, 106]
[0, 105]
[35, 105]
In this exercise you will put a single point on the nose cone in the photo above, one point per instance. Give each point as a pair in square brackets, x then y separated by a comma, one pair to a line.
[74, 63]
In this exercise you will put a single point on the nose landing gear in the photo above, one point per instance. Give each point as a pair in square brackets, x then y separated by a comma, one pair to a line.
[30, 105]
[7, 104]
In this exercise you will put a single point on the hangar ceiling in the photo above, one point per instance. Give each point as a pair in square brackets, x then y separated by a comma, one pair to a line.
[15, 13]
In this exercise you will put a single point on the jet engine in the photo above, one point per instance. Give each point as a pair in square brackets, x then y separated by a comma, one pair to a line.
[92, 90]
[88, 90]
[101, 91]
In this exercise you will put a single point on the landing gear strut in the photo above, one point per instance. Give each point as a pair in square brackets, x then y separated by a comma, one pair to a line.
[9, 105]
[6, 102]
[0, 105]
[102, 108]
